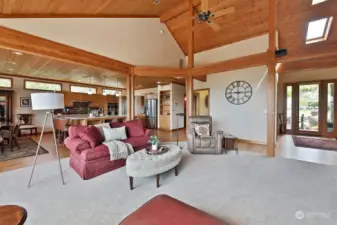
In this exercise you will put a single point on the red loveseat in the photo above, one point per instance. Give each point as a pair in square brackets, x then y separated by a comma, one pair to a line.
[90, 161]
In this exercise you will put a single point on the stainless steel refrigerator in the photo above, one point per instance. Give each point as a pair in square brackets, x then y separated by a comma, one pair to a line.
[151, 108]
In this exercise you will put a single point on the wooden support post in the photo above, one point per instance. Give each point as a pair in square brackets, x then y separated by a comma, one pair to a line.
[189, 77]
[130, 94]
[271, 119]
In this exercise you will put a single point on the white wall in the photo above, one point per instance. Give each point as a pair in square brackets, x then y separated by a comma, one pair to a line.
[247, 121]
[243, 48]
[135, 41]
[177, 105]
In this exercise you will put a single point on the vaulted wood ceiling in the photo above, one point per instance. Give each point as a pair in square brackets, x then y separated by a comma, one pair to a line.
[46, 68]
[84, 8]
[250, 19]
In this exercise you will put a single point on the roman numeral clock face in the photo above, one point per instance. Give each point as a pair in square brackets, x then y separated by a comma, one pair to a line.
[239, 92]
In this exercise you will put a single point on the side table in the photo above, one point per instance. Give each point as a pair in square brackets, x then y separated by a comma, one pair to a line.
[230, 142]
[12, 215]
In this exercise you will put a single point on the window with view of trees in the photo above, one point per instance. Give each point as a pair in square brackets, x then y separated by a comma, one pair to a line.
[81, 89]
[43, 86]
[6, 82]
[109, 91]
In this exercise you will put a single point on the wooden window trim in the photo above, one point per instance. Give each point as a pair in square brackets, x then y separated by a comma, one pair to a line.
[12, 82]
[87, 86]
[40, 81]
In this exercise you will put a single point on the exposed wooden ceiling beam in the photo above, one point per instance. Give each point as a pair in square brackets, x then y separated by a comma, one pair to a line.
[310, 64]
[74, 16]
[311, 51]
[147, 71]
[23, 42]
[58, 81]
[233, 64]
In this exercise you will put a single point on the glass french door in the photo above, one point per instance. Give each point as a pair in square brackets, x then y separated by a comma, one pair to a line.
[329, 117]
[309, 108]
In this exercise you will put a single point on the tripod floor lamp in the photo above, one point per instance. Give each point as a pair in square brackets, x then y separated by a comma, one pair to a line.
[47, 102]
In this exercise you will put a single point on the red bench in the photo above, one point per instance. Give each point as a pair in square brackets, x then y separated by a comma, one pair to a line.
[165, 210]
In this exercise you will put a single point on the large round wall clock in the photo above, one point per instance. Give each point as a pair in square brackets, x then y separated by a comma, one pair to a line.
[239, 92]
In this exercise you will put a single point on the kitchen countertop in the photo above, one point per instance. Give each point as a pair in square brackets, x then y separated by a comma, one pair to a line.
[87, 117]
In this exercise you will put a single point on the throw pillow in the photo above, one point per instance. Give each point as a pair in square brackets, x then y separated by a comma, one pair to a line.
[75, 131]
[111, 134]
[202, 129]
[135, 128]
[92, 135]
[101, 126]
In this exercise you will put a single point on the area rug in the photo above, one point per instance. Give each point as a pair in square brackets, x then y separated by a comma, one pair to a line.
[314, 142]
[28, 148]
[241, 189]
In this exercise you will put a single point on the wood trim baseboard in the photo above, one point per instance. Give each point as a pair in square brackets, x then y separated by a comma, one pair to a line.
[253, 142]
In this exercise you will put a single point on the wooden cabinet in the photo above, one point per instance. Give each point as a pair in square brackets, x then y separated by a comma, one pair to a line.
[165, 122]
[96, 100]
[70, 97]
[112, 99]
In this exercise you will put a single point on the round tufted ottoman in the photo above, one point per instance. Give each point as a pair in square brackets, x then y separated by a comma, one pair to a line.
[141, 164]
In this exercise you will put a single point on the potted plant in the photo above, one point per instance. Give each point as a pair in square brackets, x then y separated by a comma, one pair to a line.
[154, 142]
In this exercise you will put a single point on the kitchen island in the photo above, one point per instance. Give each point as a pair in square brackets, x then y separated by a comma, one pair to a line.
[88, 120]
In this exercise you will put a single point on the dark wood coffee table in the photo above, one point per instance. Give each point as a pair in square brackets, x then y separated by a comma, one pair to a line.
[12, 215]
[230, 142]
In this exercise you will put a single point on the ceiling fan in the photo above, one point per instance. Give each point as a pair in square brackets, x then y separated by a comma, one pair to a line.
[207, 15]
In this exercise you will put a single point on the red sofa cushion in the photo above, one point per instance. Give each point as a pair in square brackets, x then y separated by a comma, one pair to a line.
[165, 210]
[76, 144]
[98, 152]
[75, 131]
[92, 135]
[134, 128]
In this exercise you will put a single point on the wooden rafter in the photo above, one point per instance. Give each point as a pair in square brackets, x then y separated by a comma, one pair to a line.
[232, 64]
[310, 64]
[23, 42]
[271, 105]
[190, 63]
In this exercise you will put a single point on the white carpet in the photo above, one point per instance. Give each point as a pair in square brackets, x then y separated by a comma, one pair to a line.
[244, 189]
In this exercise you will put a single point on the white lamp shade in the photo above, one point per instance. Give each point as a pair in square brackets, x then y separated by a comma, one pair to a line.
[47, 101]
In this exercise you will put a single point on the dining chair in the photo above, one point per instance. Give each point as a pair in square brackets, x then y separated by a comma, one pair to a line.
[11, 136]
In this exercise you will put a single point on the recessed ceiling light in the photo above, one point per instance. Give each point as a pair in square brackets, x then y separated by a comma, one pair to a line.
[158, 82]
[9, 69]
[13, 63]
[178, 77]
[156, 2]
[18, 53]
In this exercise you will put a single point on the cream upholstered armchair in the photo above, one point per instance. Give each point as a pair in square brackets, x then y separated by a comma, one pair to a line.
[203, 144]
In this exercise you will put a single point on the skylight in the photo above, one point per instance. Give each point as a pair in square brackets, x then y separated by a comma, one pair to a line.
[314, 2]
[318, 30]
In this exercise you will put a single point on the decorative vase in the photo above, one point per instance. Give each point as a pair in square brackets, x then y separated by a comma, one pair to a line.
[154, 147]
